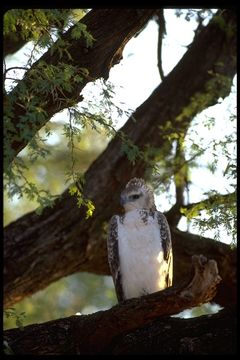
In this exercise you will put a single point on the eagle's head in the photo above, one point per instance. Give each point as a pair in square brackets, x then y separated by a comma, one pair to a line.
[137, 195]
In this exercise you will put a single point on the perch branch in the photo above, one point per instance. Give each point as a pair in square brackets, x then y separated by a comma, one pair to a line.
[94, 334]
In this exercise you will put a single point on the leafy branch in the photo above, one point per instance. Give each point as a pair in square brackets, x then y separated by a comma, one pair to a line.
[193, 209]
[220, 210]
[19, 317]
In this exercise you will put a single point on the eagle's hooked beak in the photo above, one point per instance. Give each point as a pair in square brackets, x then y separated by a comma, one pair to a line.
[123, 199]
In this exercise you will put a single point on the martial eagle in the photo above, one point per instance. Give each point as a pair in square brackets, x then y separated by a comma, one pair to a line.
[139, 244]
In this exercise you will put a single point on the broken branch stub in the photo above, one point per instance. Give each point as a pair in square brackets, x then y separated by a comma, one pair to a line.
[204, 281]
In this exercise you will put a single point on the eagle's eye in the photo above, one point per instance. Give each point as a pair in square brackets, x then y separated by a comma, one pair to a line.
[134, 197]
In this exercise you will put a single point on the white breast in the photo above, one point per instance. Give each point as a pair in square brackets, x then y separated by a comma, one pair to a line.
[141, 254]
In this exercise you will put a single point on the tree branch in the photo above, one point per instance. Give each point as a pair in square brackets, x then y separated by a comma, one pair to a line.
[161, 33]
[13, 42]
[180, 182]
[42, 249]
[111, 29]
[94, 334]
[215, 199]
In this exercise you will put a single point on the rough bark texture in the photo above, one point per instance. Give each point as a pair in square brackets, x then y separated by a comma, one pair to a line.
[112, 29]
[100, 332]
[206, 335]
[42, 249]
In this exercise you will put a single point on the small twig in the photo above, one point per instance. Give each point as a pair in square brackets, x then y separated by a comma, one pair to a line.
[13, 79]
[16, 67]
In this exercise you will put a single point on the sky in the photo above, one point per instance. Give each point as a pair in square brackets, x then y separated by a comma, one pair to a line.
[137, 76]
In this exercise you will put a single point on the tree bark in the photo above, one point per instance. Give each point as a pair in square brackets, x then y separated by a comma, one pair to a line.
[111, 29]
[12, 43]
[99, 333]
[42, 249]
[206, 335]
[186, 245]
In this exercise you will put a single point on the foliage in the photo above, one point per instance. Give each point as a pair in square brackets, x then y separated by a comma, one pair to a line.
[50, 175]
[77, 190]
[219, 210]
[17, 317]
[39, 25]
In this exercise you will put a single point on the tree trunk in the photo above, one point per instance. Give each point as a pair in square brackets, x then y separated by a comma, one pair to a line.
[108, 331]
[42, 249]
[111, 29]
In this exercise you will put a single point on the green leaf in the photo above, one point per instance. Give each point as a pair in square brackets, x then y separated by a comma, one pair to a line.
[90, 208]
[73, 189]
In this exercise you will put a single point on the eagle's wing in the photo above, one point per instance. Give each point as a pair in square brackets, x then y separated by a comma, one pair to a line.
[113, 256]
[167, 246]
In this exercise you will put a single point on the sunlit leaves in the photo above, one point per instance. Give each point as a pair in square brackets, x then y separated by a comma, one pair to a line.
[90, 208]
[35, 24]
[77, 189]
[19, 317]
[81, 201]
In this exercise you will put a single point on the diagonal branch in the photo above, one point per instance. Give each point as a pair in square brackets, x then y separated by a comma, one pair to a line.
[41, 249]
[93, 334]
[214, 199]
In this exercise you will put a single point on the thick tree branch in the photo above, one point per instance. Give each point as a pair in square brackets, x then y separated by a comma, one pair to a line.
[42, 249]
[111, 29]
[209, 334]
[95, 333]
